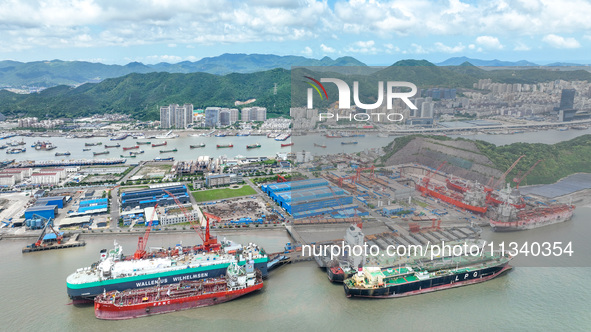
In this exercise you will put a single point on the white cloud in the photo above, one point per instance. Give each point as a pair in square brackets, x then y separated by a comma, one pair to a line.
[363, 47]
[307, 51]
[171, 45]
[557, 41]
[327, 49]
[489, 42]
[449, 49]
[25, 24]
[417, 49]
[163, 58]
[471, 46]
[521, 47]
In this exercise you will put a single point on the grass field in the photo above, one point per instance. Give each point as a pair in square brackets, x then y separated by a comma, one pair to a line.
[214, 194]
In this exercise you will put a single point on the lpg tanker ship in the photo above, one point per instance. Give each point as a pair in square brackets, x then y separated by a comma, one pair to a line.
[426, 276]
[116, 272]
[159, 299]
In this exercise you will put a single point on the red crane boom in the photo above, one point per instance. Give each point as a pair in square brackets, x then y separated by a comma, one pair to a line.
[502, 178]
[518, 180]
[143, 240]
[209, 242]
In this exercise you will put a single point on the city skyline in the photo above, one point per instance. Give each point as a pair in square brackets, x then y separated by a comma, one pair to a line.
[375, 32]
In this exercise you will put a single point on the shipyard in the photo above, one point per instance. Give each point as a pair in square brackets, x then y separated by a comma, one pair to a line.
[239, 167]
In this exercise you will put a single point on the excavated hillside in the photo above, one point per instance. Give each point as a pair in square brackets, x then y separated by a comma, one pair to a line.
[463, 157]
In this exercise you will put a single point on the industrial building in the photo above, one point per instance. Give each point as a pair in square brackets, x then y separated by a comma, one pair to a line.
[313, 197]
[59, 201]
[149, 197]
[7, 180]
[91, 206]
[213, 180]
[45, 211]
[45, 178]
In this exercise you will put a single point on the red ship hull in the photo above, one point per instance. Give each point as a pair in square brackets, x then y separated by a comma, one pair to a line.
[111, 311]
[160, 144]
[492, 200]
[131, 148]
[455, 186]
[450, 200]
[288, 144]
[535, 218]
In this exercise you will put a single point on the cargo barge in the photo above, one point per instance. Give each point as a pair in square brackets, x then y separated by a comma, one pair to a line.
[131, 147]
[67, 153]
[237, 282]
[100, 153]
[511, 219]
[112, 146]
[286, 144]
[348, 143]
[159, 144]
[93, 144]
[221, 146]
[418, 277]
[120, 137]
[253, 146]
[320, 145]
[202, 145]
[143, 143]
[167, 151]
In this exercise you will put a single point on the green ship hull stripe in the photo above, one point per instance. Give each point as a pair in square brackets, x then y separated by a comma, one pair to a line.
[157, 275]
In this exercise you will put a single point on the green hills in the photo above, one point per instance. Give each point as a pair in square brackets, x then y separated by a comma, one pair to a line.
[479, 160]
[140, 94]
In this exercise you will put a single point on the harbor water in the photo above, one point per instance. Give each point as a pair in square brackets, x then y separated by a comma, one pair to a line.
[269, 146]
[300, 297]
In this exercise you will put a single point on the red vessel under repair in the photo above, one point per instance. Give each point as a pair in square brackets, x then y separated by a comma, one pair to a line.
[450, 197]
[143, 302]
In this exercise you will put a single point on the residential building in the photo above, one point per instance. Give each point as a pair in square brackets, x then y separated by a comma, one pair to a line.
[254, 114]
[175, 116]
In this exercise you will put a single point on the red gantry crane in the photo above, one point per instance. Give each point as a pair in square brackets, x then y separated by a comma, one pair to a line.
[518, 180]
[427, 177]
[210, 243]
[143, 240]
[501, 180]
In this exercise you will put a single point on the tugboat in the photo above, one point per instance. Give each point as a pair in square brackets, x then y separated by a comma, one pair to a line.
[253, 146]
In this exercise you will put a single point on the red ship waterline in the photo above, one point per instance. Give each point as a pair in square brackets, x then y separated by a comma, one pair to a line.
[286, 144]
[453, 198]
[144, 302]
[131, 148]
[510, 219]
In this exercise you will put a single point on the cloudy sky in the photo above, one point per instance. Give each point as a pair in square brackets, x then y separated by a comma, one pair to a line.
[376, 32]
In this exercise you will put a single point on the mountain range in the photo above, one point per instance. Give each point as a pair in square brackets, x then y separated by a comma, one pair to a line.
[57, 72]
[140, 94]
